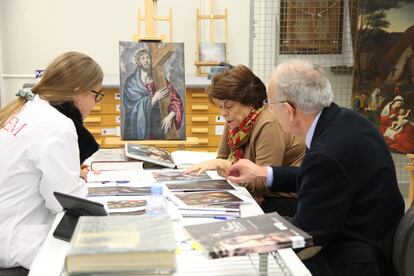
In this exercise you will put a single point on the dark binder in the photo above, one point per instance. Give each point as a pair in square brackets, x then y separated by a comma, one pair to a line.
[74, 207]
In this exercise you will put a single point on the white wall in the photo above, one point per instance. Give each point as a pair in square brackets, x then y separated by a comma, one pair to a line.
[35, 31]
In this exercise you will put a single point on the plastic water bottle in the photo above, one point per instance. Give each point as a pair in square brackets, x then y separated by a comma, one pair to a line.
[157, 204]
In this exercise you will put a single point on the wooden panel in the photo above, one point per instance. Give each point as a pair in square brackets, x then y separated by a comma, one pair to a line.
[201, 119]
[200, 131]
[201, 108]
[104, 130]
[197, 97]
[209, 140]
[311, 27]
[111, 108]
[111, 96]
[92, 119]
[111, 120]
[197, 130]
[95, 131]
[103, 120]
[158, 143]
[96, 109]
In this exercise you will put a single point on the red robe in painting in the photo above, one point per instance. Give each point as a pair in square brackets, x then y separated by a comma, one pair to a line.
[402, 140]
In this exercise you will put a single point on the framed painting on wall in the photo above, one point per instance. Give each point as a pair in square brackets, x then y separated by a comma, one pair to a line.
[152, 91]
[383, 84]
[311, 26]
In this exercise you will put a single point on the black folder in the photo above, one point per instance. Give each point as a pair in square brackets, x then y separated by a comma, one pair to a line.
[74, 207]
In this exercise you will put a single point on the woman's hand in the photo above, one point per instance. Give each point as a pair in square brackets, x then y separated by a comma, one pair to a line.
[210, 165]
[84, 169]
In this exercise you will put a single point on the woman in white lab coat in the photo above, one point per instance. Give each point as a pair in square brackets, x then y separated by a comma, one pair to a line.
[39, 154]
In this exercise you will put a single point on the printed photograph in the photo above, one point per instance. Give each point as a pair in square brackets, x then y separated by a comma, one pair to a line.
[103, 191]
[118, 190]
[177, 175]
[200, 185]
[150, 154]
[207, 198]
[130, 190]
[123, 204]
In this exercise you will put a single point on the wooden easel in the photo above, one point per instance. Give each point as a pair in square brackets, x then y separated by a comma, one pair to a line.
[158, 59]
[199, 17]
[410, 168]
[151, 18]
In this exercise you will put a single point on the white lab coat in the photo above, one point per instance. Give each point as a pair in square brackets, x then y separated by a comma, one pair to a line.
[39, 154]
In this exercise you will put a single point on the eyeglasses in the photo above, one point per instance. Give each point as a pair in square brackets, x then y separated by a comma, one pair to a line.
[267, 103]
[99, 95]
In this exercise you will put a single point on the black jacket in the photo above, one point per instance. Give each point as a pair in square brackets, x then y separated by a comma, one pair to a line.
[348, 195]
[86, 141]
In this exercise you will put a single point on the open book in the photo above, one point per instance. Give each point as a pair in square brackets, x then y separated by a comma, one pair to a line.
[161, 157]
[256, 234]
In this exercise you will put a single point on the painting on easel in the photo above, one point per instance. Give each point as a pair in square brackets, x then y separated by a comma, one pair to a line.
[152, 91]
[213, 51]
[383, 86]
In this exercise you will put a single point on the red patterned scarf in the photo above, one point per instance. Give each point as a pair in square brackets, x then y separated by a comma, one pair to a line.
[239, 136]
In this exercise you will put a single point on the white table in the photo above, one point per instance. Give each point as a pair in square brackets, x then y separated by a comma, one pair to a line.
[50, 258]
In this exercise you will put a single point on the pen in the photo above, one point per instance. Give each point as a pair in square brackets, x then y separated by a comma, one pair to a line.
[109, 181]
[224, 217]
[122, 181]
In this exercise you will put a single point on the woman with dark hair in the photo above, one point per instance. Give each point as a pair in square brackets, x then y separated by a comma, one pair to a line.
[249, 128]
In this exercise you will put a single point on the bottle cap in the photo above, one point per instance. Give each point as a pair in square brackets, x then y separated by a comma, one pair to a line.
[156, 189]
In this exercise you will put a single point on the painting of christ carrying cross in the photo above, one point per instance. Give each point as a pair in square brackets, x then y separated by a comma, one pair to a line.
[152, 91]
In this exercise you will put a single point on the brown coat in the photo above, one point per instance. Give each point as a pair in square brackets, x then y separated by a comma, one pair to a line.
[268, 146]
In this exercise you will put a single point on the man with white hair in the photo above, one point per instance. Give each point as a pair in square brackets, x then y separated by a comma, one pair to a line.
[348, 195]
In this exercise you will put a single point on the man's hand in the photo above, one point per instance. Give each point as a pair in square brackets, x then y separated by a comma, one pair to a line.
[244, 171]
[159, 95]
[166, 124]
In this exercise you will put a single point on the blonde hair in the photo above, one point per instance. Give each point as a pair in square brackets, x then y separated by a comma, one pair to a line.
[69, 74]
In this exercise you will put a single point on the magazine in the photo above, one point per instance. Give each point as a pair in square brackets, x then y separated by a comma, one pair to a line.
[205, 198]
[117, 190]
[150, 154]
[161, 157]
[177, 175]
[199, 185]
[257, 234]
